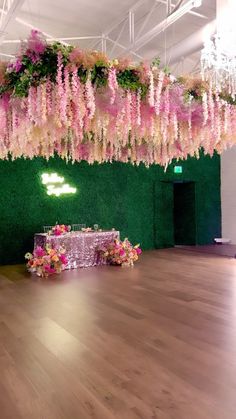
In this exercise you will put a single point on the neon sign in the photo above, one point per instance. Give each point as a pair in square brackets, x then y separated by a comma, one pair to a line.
[55, 185]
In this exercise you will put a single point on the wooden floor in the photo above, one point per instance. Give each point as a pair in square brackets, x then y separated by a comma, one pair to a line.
[154, 342]
[214, 249]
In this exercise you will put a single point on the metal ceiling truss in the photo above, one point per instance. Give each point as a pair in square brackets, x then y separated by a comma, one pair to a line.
[137, 28]
[173, 14]
[133, 19]
[8, 12]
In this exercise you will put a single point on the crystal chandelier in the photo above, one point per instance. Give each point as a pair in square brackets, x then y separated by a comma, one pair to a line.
[218, 57]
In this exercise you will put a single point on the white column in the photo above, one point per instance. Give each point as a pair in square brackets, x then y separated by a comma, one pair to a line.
[228, 194]
[225, 14]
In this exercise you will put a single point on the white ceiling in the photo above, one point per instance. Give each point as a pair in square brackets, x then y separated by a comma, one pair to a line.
[77, 18]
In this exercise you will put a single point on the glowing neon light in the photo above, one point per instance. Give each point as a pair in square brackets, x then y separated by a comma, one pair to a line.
[59, 190]
[55, 184]
[51, 178]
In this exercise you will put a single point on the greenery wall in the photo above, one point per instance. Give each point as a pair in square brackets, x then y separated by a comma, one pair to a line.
[135, 200]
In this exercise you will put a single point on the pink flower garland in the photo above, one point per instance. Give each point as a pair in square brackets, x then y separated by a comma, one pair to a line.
[138, 108]
[112, 83]
[190, 136]
[127, 120]
[211, 109]
[67, 96]
[205, 108]
[79, 123]
[151, 100]
[165, 120]
[44, 103]
[175, 126]
[32, 103]
[4, 105]
[158, 92]
[61, 99]
[226, 117]
[48, 97]
[90, 100]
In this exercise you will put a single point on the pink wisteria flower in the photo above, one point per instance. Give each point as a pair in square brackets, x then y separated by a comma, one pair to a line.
[35, 46]
[90, 108]
[112, 83]
[15, 66]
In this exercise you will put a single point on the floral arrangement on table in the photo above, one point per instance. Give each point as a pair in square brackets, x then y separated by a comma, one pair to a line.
[83, 106]
[121, 253]
[86, 229]
[59, 229]
[46, 261]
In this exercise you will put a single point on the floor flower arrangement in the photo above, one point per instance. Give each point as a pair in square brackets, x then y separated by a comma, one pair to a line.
[121, 253]
[46, 261]
[83, 106]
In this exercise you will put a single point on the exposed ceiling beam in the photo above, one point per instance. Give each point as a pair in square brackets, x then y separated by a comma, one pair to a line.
[168, 7]
[126, 18]
[123, 17]
[73, 38]
[191, 44]
[117, 39]
[160, 27]
[146, 19]
[11, 9]
[191, 12]
[30, 26]
[124, 48]
[6, 55]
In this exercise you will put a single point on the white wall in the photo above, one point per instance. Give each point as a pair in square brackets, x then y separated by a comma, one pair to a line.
[228, 194]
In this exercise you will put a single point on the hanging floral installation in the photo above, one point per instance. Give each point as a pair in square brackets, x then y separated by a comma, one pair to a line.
[82, 106]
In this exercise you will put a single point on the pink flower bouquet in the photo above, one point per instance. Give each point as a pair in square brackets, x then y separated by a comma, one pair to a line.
[46, 261]
[60, 229]
[121, 253]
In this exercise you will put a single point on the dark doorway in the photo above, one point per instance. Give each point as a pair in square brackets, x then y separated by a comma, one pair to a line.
[184, 213]
[164, 224]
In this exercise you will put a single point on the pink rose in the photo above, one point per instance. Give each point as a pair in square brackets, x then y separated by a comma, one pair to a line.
[47, 259]
[39, 252]
[63, 259]
[49, 270]
[139, 251]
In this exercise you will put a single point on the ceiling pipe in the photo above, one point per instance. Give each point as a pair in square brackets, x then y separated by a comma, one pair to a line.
[191, 44]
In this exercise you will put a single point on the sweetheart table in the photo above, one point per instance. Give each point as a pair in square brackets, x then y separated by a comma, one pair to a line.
[81, 247]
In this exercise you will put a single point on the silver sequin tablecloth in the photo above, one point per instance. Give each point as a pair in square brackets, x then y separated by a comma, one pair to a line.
[81, 248]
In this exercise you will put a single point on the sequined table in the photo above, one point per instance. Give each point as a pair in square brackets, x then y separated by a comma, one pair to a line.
[81, 247]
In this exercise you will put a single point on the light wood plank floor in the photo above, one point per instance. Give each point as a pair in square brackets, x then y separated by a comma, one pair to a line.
[154, 342]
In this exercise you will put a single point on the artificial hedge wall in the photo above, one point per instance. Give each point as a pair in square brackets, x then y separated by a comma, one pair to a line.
[135, 200]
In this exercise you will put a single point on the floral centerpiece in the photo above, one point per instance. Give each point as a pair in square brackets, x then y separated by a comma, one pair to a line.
[46, 261]
[86, 230]
[121, 253]
[59, 229]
